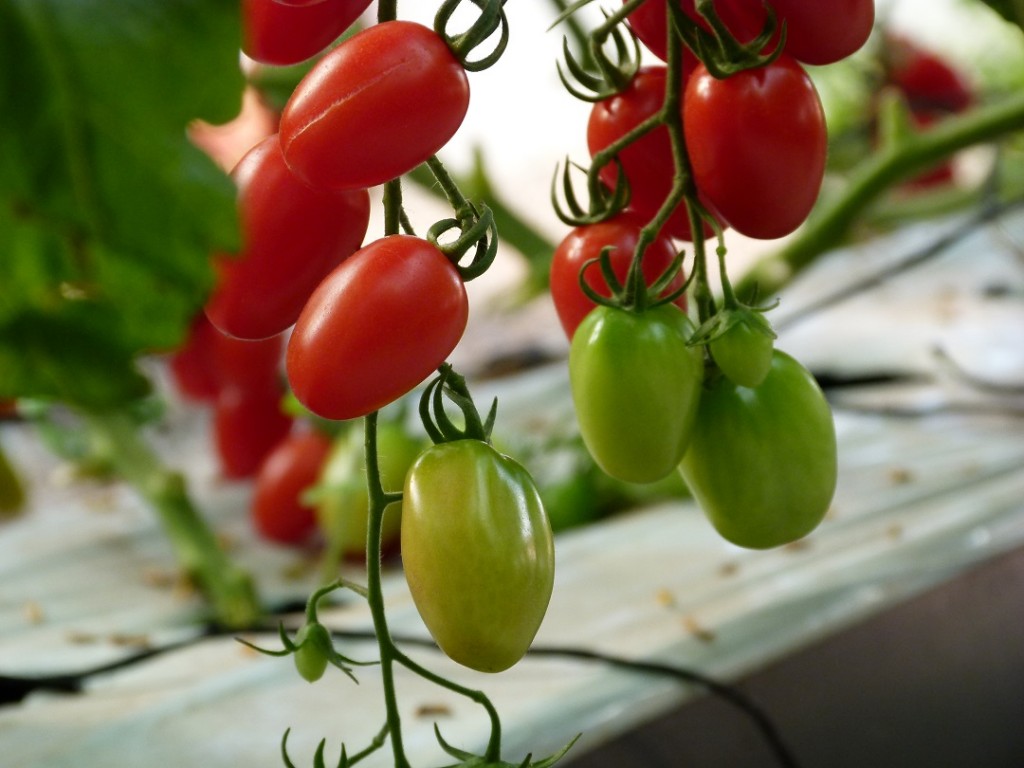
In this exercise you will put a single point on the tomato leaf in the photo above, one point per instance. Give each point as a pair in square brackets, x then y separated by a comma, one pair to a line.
[107, 212]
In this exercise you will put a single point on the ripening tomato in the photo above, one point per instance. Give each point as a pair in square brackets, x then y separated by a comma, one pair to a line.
[647, 162]
[635, 385]
[762, 463]
[248, 423]
[293, 236]
[757, 144]
[278, 511]
[375, 107]
[377, 326]
[585, 243]
[284, 33]
[478, 553]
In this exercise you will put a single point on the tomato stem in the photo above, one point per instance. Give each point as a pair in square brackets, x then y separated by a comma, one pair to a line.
[229, 589]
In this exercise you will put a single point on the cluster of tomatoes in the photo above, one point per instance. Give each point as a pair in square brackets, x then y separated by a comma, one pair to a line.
[360, 324]
[746, 425]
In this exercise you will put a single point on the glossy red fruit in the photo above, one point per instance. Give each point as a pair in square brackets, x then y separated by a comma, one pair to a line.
[277, 509]
[585, 243]
[377, 326]
[293, 236]
[647, 162]
[248, 423]
[375, 107]
[280, 33]
[757, 143]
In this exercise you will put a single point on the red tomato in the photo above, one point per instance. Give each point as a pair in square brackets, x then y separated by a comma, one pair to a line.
[248, 423]
[817, 31]
[757, 142]
[825, 31]
[377, 326]
[293, 466]
[585, 243]
[929, 83]
[374, 108]
[743, 18]
[193, 366]
[280, 33]
[293, 236]
[247, 364]
[648, 161]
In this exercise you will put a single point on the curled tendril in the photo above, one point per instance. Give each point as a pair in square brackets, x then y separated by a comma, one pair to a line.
[719, 50]
[602, 203]
[344, 761]
[491, 19]
[478, 233]
[612, 77]
[440, 428]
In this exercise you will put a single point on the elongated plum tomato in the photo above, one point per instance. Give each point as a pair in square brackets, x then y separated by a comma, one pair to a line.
[762, 463]
[248, 423]
[647, 162]
[293, 235]
[278, 511]
[374, 108]
[284, 33]
[635, 385]
[757, 144]
[478, 553]
[585, 243]
[377, 326]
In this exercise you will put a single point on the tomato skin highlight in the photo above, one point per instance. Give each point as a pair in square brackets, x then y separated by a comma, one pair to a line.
[374, 107]
[294, 464]
[379, 324]
[635, 385]
[282, 34]
[763, 462]
[478, 553]
[293, 236]
[757, 143]
[585, 243]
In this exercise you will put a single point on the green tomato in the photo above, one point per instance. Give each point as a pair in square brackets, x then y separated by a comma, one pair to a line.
[636, 385]
[762, 463]
[341, 499]
[743, 352]
[314, 648]
[478, 553]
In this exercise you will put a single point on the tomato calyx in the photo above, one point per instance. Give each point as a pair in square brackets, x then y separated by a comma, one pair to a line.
[612, 77]
[470, 760]
[440, 428]
[602, 203]
[491, 19]
[633, 293]
[719, 50]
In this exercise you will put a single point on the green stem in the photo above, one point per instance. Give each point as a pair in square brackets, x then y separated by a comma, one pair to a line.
[831, 223]
[229, 589]
[379, 501]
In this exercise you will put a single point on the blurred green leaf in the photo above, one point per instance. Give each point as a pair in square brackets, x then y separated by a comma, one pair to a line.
[1011, 10]
[108, 214]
